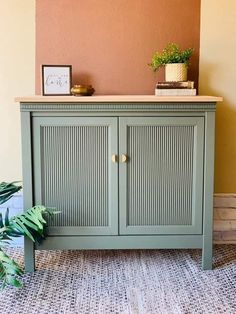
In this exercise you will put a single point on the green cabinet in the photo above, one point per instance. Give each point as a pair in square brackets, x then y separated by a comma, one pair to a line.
[125, 174]
[160, 174]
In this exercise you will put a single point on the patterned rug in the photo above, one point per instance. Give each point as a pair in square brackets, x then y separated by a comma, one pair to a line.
[129, 282]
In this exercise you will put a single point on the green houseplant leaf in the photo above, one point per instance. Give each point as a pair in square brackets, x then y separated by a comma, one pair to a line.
[7, 190]
[9, 271]
[31, 223]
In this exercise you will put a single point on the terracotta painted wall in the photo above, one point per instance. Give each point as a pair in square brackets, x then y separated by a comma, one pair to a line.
[110, 42]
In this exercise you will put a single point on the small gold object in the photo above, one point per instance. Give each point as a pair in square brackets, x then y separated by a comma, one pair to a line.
[114, 158]
[124, 158]
[82, 90]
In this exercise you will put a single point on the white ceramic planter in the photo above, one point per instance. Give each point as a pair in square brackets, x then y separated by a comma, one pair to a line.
[176, 72]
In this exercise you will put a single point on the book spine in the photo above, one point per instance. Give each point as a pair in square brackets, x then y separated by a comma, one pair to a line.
[180, 84]
[176, 92]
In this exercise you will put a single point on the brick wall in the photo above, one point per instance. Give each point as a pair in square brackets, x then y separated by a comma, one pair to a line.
[225, 218]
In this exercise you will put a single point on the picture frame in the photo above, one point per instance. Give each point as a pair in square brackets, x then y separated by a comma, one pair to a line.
[56, 80]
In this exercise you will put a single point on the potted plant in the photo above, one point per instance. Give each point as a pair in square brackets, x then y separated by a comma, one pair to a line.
[30, 223]
[174, 59]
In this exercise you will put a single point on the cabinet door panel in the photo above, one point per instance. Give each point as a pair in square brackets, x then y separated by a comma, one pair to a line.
[161, 183]
[73, 172]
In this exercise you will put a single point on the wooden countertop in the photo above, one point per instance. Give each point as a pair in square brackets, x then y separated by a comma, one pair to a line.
[116, 98]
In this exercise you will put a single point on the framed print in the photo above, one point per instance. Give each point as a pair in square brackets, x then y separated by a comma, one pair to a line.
[56, 80]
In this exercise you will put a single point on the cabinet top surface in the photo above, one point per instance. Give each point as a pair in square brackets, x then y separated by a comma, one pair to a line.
[116, 98]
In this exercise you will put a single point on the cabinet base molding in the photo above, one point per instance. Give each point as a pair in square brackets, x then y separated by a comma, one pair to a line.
[122, 242]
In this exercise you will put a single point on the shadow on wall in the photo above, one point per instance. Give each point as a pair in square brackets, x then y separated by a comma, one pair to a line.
[81, 78]
[225, 166]
[225, 147]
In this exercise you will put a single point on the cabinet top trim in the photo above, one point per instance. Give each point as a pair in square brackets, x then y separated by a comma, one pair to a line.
[116, 98]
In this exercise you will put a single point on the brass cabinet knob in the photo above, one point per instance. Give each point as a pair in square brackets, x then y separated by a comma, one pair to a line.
[114, 158]
[124, 158]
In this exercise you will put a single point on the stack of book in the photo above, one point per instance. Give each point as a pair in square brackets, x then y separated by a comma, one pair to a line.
[180, 88]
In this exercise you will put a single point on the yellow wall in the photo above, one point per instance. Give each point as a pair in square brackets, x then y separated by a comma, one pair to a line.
[218, 77]
[17, 77]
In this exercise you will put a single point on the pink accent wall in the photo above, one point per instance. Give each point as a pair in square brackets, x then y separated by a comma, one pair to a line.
[110, 42]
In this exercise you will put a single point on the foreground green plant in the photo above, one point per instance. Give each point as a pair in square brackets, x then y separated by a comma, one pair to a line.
[31, 224]
[170, 54]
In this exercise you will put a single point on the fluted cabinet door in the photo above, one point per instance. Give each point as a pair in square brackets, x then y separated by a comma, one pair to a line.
[162, 176]
[74, 172]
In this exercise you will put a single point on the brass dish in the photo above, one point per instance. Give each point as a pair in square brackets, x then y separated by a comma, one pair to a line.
[82, 90]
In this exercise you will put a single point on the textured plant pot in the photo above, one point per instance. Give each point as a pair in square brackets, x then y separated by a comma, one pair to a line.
[176, 72]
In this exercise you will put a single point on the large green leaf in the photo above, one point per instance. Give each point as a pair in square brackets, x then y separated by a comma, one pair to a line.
[9, 271]
[21, 227]
[7, 190]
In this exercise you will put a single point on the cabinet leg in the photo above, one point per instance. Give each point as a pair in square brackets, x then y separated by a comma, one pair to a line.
[29, 256]
[207, 253]
[207, 245]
